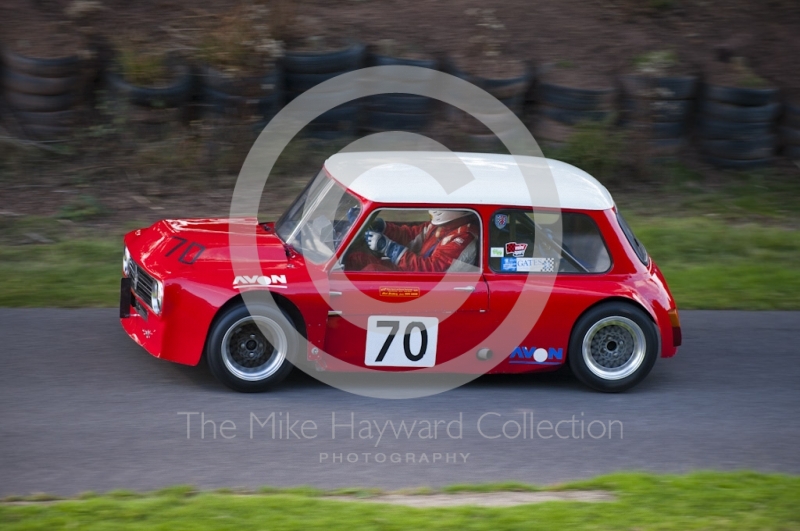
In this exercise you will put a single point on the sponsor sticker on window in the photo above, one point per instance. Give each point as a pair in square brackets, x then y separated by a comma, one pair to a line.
[508, 264]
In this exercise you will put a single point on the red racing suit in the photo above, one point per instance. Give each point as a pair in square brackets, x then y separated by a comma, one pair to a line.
[429, 248]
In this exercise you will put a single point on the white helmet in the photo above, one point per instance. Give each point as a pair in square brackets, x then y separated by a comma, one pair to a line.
[440, 217]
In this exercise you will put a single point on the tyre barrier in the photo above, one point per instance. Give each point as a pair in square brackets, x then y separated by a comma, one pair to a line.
[712, 129]
[660, 87]
[759, 148]
[740, 114]
[559, 108]
[511, 91]
[43, 95]
[572, 117]
[171, 95]
[398, 112]
[791, 116]
[746, 97]
[575, 99]
[256, 98]
[657, 110]
[736, 127]
[151, 110]
[789, 131]
[303, 70]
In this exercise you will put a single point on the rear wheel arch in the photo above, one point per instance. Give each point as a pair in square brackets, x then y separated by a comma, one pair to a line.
[615, 309]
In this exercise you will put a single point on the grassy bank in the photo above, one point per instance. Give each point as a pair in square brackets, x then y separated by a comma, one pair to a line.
[709, 263]
[704, 500]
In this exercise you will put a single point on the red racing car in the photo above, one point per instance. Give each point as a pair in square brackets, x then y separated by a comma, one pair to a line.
[392, 272]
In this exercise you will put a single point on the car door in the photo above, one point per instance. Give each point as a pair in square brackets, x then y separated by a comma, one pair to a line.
[385, 317]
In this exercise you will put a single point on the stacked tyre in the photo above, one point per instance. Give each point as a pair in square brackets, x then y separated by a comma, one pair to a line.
[657, 111]
[43, 95]
[152, 109]
[510, 90]
[790, 130]
[737, 126]
[559, 108]
[254, 99]
[304, 70]
[400, 112]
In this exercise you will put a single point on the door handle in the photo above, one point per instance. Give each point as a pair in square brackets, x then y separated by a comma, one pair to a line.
[465, 288]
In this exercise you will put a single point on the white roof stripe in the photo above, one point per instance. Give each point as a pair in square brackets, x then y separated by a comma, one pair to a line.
[408, 178]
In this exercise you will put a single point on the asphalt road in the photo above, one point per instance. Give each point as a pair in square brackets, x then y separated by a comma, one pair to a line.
[83, 408]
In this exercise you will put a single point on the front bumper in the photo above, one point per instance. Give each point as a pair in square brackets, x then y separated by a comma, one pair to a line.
[143, 325]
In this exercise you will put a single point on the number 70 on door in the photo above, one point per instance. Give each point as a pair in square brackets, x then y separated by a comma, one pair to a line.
[401, 341]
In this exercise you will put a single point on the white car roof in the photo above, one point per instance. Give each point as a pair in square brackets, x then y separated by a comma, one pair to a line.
[407, 177]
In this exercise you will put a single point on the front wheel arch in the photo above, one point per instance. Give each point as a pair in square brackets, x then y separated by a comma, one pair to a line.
[286, 305]
[252, 348]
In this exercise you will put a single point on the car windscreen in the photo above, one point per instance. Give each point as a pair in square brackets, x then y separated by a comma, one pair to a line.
[318, 220]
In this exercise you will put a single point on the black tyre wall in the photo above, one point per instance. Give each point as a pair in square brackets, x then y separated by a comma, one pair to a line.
[173, 95]
[56, 67]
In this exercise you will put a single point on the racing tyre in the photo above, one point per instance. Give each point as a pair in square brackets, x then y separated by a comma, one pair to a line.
[251, 352]
[613, 347]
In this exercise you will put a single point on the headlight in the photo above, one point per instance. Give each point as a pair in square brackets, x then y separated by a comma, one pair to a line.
[126, 261]
[157, 296]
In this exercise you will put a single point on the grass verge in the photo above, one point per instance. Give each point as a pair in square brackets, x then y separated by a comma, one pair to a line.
[701, 500]
[71, 273]
[709, 264]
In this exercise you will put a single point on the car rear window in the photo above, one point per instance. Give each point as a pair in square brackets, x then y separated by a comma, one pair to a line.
[638, 248]
[521, 242]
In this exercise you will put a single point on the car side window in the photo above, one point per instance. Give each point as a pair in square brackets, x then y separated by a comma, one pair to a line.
[522, 243]
[429, 241]
[638, 248]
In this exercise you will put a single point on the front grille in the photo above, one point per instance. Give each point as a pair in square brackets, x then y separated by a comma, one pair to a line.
[141, 281]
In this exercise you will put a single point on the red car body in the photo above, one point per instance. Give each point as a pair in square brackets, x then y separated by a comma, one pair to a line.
[192, 261]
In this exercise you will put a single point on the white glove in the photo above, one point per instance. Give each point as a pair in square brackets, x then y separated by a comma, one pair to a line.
[376, 241]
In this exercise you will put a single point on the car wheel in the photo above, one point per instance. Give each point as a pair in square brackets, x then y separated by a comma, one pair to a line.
[250, 348]
[613, 347]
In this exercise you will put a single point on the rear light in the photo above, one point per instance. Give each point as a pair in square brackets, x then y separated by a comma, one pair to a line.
[675, 321]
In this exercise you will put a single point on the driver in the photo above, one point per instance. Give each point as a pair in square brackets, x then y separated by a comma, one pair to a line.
[448, 242]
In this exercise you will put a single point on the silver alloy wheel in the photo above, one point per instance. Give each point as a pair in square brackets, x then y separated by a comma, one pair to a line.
[254, 348]
[614, 348]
